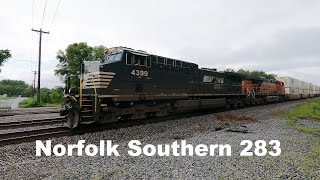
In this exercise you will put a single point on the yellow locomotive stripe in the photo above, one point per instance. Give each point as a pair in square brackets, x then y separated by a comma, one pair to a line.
[91, 87]
[97, 80]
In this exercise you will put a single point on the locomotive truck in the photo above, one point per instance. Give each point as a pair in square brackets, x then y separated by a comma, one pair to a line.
[132, 84]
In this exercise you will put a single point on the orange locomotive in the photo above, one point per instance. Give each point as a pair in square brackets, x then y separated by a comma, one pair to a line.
[263, 89]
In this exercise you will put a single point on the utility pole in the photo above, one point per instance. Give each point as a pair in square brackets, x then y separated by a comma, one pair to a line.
[39, 64]
[34, 83]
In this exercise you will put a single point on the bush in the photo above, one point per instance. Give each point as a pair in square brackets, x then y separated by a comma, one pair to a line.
[49, 97]
[29, 102]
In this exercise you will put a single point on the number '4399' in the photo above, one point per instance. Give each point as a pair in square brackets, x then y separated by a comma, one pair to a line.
[139, 73]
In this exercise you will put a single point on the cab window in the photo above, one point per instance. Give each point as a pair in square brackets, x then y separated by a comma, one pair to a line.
[142, 61]
[129, 59]
[155, 59]
[137, 60]
[161, 60]
[170, 62]
[148, 62]
[178, 64]
[113, 57]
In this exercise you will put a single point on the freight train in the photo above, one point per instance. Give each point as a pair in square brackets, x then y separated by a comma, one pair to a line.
[132, 84]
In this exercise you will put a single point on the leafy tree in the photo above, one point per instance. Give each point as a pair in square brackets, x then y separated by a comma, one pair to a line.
[49, 97]
[4, 55]
[56, 95]
[257, 73]
[71, 59]
[15, 88]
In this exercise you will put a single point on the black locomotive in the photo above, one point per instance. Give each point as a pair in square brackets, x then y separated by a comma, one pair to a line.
[132, 84]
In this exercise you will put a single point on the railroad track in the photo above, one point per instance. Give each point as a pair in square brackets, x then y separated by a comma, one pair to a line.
[47, 133]
[31, 135]
[26, 113]
[31, 123]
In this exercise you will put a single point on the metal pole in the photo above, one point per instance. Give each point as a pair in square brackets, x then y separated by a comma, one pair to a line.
[39, 66]
[39, 63]
[34, 84]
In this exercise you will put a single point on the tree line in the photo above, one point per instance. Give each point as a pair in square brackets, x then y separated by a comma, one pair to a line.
[258, 73]
[15, 88]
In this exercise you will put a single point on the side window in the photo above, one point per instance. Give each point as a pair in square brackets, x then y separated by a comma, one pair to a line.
[142, 61]
[136, 60]
[155, 59]
[148, 62]
[185, 65]
[178, 64]
[161, 60]
[170, 62]
[129, 59]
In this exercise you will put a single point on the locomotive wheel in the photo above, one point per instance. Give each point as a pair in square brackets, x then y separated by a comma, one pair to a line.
[73, 119]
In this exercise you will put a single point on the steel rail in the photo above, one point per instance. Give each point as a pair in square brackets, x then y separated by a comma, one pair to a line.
[31, 123]
[47, 133]
[31, 135]
[26, 113]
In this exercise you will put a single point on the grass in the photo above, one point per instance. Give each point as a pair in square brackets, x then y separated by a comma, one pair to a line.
[30, 102]
[307, 110]
[311, 161]
[314, 131]
[6, 98]
[4, 111]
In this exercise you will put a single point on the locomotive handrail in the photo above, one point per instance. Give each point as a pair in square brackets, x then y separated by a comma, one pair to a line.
[80, 91]
[95, 95]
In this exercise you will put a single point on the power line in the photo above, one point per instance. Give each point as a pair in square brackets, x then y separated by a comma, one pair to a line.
[32, 12]
[55, 14]
[44, 12]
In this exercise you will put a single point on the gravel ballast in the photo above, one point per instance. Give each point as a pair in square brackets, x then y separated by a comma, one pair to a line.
[19, 161]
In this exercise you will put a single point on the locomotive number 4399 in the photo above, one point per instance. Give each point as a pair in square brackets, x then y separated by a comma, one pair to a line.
[139, 73]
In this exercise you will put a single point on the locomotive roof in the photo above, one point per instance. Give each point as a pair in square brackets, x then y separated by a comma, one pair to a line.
[139, 52]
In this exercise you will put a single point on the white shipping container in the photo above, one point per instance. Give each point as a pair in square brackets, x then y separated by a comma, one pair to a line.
[292, 85]
[317, 89]
[311, 88]
[304, 89]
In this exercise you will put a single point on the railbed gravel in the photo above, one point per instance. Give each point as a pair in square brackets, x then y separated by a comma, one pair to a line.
[19, 161]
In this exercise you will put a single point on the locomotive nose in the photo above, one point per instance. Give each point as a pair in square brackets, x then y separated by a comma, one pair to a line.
[97, 80]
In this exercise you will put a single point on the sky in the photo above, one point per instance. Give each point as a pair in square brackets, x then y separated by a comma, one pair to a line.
[281, 37]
